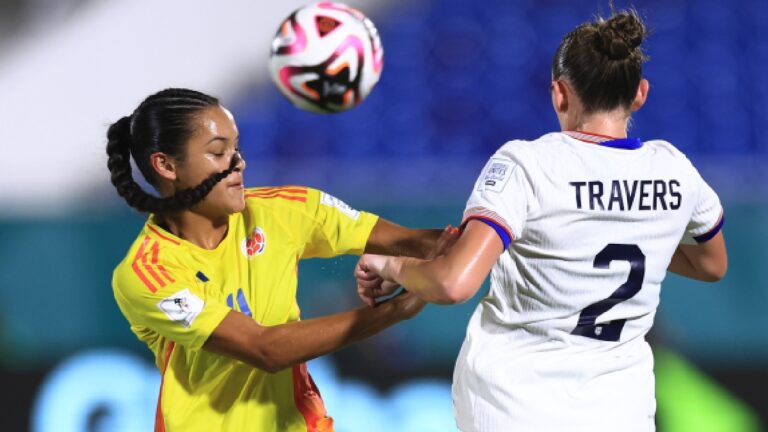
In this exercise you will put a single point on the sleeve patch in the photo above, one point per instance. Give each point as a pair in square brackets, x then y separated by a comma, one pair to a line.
[332, 201]
[182, 307]
[496, 175]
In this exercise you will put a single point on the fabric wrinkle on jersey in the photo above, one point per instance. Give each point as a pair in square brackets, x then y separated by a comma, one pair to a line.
[174, 294]
[558, 341]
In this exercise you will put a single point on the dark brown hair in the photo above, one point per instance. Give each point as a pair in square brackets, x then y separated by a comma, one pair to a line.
[161, 123]
[603, 60]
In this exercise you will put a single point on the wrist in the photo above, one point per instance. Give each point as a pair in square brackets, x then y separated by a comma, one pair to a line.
[390, 270]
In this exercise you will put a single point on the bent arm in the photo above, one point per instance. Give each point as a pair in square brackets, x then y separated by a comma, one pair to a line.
[453, 277]
[706, 261]
[388, 238]
[275, 348]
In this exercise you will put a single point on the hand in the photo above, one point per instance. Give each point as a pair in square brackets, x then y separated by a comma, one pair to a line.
[370, 284]
[447, 239]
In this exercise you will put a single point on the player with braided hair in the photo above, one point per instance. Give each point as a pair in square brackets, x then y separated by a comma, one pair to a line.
[210, 282]
[577, 230]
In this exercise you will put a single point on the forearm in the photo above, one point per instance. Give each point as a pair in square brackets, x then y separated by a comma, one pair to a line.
[299, 341]
[391, 239]
[278, 347]
[430, 280]
[448, 278]
[683, 266]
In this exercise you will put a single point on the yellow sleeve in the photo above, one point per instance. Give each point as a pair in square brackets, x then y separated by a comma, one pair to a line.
[166, 298]
[334, 228]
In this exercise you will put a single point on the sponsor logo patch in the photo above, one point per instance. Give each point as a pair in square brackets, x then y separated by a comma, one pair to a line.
[255, 243]
[496, 175]
[332, 201]
[182, 307]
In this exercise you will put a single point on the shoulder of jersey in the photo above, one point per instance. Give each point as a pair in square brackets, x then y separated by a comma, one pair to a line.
[148, 258]
[517, 149]
[664, 146]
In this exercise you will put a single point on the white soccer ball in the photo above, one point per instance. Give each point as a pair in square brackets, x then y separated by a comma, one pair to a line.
[326, 57]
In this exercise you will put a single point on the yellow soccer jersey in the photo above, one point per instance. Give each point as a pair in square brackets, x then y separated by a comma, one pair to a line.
[174, 294]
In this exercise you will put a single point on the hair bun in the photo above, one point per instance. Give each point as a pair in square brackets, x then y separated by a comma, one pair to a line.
[620, 36]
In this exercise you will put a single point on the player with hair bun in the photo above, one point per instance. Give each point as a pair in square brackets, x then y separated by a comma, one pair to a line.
[577, 229]
[210, 282]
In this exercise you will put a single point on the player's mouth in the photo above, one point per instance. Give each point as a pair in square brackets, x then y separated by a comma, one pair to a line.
[237, 185]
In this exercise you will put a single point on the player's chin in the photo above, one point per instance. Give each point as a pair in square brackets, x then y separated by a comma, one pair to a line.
[236, 199]
[227, 200]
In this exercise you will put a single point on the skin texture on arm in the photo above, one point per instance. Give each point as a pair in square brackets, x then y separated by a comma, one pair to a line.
[275, 348]
[706, 262]
[388, 238]
[453, 277]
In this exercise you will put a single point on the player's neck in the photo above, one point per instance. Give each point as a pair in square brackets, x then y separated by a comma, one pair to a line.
[198, 229]
[612, 124]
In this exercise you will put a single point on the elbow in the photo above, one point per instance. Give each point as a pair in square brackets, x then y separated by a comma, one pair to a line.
[716, 270]
[716, 274]
[270, 366]
[263, 360]
[453, 292]
[264, 357]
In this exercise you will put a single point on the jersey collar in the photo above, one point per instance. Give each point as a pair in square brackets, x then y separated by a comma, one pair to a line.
[606, 141]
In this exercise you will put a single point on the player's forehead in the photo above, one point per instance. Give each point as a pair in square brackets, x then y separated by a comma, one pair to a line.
[214, 124]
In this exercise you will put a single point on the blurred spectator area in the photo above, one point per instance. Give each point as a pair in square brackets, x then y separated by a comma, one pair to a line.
[461, 78]
[17, 15]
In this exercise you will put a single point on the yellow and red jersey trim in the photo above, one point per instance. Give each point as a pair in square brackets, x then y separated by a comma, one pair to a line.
[309, 402]
[290, 193]
[147, 267]
[159, 420]
[162, 236]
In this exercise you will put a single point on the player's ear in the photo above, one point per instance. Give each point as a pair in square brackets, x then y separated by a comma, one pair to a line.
[559, 96]
[641, 96]
[164, 165]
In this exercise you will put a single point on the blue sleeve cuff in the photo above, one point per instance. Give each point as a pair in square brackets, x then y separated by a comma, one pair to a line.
[503, 234]
[711, 233]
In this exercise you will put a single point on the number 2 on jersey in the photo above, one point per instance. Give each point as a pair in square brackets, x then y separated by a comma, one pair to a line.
[611, 331]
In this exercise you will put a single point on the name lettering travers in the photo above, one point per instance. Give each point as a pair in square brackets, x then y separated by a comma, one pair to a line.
[626, 195]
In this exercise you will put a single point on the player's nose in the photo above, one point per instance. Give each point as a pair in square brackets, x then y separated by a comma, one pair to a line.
[238, 162]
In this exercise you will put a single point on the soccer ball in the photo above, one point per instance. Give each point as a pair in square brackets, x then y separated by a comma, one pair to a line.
[326, 57]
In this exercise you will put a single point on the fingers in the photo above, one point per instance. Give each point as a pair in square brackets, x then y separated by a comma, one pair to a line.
[447, 238]
[369, 301]
[370, 285]
[376, 288]
[367, 275]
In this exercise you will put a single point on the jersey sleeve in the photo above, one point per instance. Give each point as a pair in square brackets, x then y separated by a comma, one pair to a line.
[333, 228]
[166, 298]
[707, 217]
[500, 198]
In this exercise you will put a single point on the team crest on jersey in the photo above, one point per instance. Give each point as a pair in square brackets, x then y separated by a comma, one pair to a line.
[255, 243]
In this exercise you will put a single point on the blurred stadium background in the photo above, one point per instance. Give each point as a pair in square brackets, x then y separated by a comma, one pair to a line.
[460, 78]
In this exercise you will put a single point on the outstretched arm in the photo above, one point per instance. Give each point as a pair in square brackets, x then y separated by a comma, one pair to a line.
[706, 261]
[388, 238]
[275, 348]
[453, 277]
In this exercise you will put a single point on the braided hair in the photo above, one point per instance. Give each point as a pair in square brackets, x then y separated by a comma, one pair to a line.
[161, 123]
[603, 61]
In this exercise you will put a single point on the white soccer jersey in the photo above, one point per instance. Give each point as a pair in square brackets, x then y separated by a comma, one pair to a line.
[558, 343]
